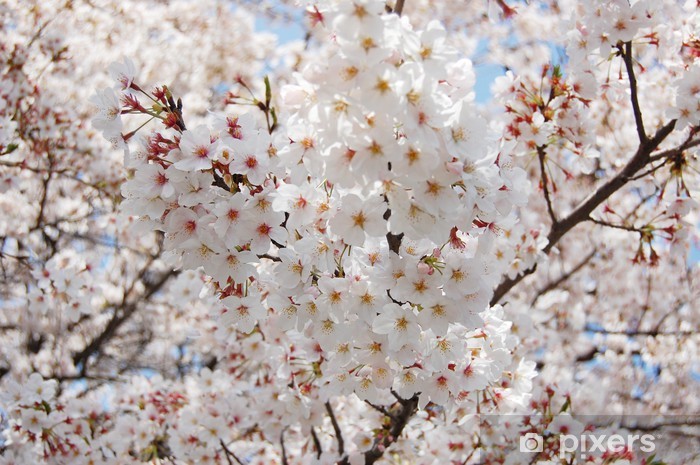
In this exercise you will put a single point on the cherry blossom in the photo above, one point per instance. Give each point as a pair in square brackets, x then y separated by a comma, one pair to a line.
[220, 247]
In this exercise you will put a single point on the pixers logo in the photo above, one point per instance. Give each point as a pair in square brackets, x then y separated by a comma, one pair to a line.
[531, 442]
[592, 444]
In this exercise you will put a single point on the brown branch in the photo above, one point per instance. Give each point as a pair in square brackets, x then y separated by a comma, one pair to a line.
[284, 449]
[99, 241]
[471, 454]
[407, 409]
[507, 284]
[653, 332]
[674, 152]
[219, 182]
[78, 377]
[336, 428]
[44, 198]
[629, 65]
[615, 226]
[400, 399]
[554, 284]
[121, 315]
[398, 423]
[587, 356]
[678, 306]
[229, 454]
[398, 8]
[63, 173]
[582, 212]
[379, 409]
[651, 170]
[645, 308]
[545, 184]
[394, 240]
[317, 443]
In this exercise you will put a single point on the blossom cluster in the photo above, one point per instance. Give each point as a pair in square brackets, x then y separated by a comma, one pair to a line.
[365, 237]
[306, 273]
[194, 422]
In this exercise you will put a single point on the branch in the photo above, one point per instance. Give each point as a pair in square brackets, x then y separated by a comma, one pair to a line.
[400, 399]
[678, 306]
[398, 422]
[640, 159]
[284, 450]
[44, 197]
[627, 57]
[631, 333]
[587, 356]
[394, 240]
[651, 170]
[554, 284]
[397, 425]
[379, 409]
[545, 184]
[646, 306]
[336, 428]
[508, 283]
[317, 443]
[689, 143]
[121, 315]
[615, 226]
[670, 154]
[398, 8]
[229, 454]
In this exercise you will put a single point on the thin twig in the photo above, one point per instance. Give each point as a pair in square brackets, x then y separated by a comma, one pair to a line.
[585, 208]
[121, 315]
[629, 64]
[688, 144]
[646, 307]
[336, 428]
[652, 333]
[284, 450]
[229, 454]
[651, 170]
[379, 409]
[398, 423]
[407, 409]
[554, 284]
[400, 399]
[661, 321]
[317, 443]
[615, 226]
[545, 183]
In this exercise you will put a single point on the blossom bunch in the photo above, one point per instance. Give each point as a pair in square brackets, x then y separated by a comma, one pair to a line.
[351, 259]
[363, 241]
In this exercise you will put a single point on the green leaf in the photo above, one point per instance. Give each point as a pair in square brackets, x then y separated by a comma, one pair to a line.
[45, 405]
[274, 118]
[10, 148]
[650, 461]
[566, 405]
[268, 92]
